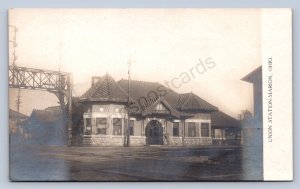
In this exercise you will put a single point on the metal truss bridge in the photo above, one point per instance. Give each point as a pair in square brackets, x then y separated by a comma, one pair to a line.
[56, 82]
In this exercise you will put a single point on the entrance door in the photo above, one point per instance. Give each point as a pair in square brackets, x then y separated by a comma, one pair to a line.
[154, 133]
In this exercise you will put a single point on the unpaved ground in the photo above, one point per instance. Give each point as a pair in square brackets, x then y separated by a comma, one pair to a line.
[149, 163]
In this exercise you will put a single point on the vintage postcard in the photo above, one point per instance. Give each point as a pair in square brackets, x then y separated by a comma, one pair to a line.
[150, 95]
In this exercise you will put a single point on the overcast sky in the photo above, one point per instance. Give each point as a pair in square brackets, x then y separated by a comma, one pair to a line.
[164, 45]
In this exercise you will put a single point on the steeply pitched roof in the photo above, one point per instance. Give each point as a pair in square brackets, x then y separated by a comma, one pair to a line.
[106, 89]
[146, 94]
[14, 114]
[220, 119]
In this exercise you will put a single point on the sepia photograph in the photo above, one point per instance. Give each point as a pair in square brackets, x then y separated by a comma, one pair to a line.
[136, 95]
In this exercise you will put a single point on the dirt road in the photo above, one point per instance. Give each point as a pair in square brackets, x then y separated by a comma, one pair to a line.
[149, 163]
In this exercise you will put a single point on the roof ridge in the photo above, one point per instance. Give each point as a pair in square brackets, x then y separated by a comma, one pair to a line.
[133, 80]
[153, 83]
[184, 93]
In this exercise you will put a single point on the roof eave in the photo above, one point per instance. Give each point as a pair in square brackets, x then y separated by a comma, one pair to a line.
[199, 110]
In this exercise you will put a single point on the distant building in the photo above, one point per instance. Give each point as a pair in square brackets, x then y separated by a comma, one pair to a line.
[255, 77]
[45, 126]
[158, 115]
[252, 126]
[15, 120]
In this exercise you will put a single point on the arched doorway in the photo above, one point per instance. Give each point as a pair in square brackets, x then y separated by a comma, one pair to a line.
[154, 133]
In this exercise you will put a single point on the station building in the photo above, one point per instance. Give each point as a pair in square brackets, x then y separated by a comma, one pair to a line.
[158, 115]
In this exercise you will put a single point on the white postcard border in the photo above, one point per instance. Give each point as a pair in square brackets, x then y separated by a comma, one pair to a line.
[276, 44]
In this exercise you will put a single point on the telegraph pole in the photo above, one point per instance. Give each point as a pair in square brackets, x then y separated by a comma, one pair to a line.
[14, 43]
[63, 131]
[128, 107]
[14, 56]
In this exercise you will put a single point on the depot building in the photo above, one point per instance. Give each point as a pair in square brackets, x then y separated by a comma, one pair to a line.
[157, 115]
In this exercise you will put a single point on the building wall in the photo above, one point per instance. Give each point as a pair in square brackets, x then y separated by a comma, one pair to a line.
[111, 111]
[137, 128]
[198, 119]
[174, 140]
[252, 128]
[169, 128]
[198, 139]
[257, 94]
[137, 140]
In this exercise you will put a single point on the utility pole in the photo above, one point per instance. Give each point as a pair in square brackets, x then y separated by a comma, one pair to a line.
[14, 43]
[18, 103]
[128, 107]
[14, 59]
[62, 130]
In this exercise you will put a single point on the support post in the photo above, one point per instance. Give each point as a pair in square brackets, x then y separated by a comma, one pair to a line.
[70, 119]
[128, 107]
[183, 131]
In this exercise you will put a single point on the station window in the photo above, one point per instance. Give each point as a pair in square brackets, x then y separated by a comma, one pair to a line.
[192, 129]
[204, 129]
[176, 129]
[117, 126]
[101, 124]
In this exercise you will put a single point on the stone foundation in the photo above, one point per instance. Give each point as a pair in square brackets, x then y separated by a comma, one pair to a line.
[192, 141]
[137, 140]
[112, 140]
[104, 140]
[175, 141]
